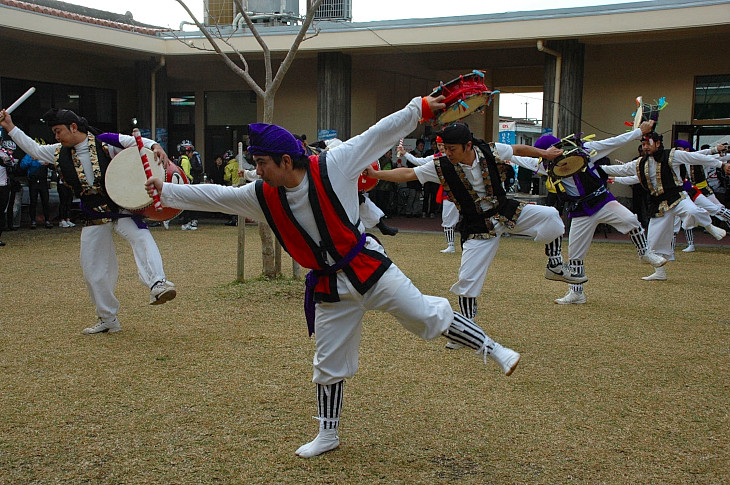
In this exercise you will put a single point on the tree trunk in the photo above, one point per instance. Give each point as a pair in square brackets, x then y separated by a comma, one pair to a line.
[270, 248]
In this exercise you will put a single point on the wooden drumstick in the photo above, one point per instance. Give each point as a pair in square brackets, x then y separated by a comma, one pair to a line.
[18, 102]
[148, 171]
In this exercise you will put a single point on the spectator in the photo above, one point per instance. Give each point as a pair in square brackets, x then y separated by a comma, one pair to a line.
[230, 177]
[15, 189]
[189, 158]
[414, 187]
[6, 163]
[65, 199]
[430, 190]
[215, 174]
[384, 194]
[37, 173]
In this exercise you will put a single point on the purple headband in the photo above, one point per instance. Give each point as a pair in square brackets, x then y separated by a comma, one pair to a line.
[546, 141]
[268, 139]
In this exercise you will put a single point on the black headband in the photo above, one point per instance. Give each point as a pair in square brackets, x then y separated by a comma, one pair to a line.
[55, 116]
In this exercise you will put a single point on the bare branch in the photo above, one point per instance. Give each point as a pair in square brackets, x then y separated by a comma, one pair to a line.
[259, 39]
[189, 43]
[227, 60]
[284, 66]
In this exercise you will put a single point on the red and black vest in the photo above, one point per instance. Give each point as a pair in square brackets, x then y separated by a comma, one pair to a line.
[339, 235]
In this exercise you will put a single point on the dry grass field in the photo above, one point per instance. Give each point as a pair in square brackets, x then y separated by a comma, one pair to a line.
[215, 387]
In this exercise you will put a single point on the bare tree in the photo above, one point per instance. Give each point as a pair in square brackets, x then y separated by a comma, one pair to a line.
[271, 253]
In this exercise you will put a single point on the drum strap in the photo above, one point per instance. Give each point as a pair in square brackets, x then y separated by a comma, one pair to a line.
[93, 215]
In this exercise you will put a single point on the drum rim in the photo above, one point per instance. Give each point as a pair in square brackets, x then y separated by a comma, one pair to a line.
[556, 161]
[448, 110]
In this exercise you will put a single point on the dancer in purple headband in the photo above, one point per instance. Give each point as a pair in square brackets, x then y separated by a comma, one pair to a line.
[311, 205]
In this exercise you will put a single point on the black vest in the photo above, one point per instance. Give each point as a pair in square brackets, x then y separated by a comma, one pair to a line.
[696, 175]
[71, 178]
[473, 220]
[669, 190]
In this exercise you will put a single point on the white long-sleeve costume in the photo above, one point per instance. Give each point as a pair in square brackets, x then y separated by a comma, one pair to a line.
[583, 224]
[98, 256]
[542, 223]
[338, 325]
[661, 225]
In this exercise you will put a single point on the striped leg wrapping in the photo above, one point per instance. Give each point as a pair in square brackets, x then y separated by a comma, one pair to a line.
[465, 332]
[329, 405]
[638, 237]
[554, 252]
[689, 234]
[723, 214]
[674, 241]
[449, 232]
[468, 306]
[577, 269]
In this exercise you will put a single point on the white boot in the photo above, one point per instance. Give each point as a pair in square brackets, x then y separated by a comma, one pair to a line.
[689, 249]
[715, 232]
[326, 440]
[660, 274]
[654, 259]
[111, 325]
[572, 297]
[449, 249]
[506, 358]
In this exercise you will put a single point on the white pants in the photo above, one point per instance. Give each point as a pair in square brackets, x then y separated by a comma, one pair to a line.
[542, 223]
[338, 325]
[449, 214]
[582, 229]
[711, 206]
[661, 229]
[370, 214]
[100, 266]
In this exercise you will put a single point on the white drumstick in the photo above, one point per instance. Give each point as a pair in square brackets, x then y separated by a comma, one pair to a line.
[20, 100]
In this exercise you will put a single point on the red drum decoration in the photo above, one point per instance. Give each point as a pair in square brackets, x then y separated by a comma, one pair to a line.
[365, 183]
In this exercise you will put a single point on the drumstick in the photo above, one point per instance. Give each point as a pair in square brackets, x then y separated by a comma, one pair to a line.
[18, 102]
[148, 171]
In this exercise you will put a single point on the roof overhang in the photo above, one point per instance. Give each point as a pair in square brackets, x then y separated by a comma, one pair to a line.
[650, 20]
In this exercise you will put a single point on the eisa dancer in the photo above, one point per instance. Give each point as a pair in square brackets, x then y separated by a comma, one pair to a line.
[472, 173]
[657, 172]
[590, 203]
[82, 156]
[311, 204]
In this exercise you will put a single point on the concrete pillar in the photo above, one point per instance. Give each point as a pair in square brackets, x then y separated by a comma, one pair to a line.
[334, 93]
[571, 87]
[143, 111]
[161, 101]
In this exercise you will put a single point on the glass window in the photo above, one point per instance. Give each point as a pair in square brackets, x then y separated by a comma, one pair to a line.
[181, 118]
[712, 97]
[97, 105]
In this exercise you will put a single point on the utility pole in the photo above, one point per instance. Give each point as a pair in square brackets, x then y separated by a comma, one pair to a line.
[525, 103]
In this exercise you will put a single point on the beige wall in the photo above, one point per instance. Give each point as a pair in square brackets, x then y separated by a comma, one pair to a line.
[616, 74]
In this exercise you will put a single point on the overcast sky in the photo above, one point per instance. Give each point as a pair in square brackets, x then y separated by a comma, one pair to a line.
[168, 13]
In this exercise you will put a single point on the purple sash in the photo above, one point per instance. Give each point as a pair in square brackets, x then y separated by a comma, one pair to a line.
[312, 278]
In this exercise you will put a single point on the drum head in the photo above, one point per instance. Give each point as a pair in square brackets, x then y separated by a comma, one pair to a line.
[457, 111]
[125, 178]
[568, 165]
